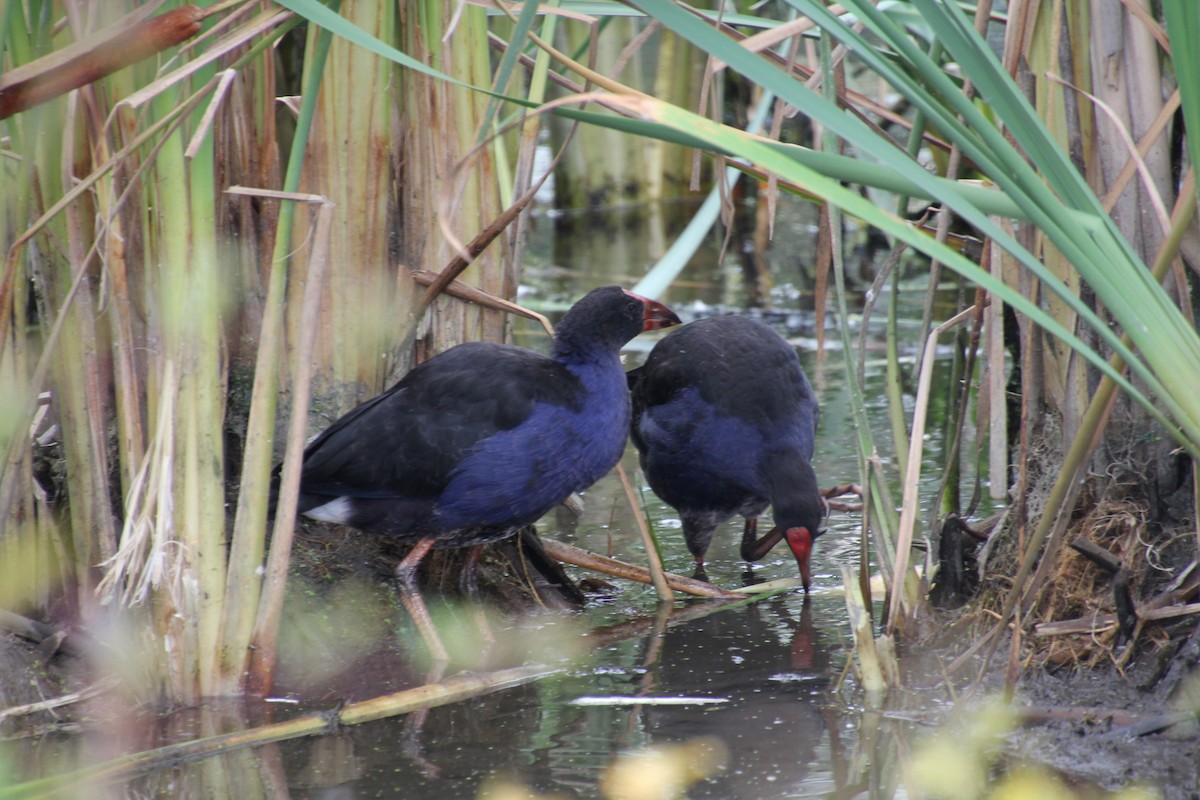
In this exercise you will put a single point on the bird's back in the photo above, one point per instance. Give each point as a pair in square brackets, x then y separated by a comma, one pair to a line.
[716, 403]
[739, 366]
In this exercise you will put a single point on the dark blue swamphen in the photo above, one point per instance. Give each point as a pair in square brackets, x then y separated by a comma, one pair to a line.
[724, 420]
[482, 439]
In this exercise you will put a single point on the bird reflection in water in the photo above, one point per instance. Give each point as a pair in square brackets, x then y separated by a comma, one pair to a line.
[756, 676]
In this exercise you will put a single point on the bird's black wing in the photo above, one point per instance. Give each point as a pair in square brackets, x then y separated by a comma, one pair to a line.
[406, 442]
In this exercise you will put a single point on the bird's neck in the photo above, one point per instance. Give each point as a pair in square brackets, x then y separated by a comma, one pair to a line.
[792, 486]
[605, 392]
[585, 356]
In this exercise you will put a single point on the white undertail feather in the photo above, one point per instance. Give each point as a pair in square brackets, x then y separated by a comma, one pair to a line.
[337, 511]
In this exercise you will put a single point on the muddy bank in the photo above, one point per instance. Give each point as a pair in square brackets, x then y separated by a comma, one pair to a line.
[1109, 655]
[1112, 751]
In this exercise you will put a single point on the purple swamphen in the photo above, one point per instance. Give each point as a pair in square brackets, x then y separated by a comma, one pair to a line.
[482, 439]
[724, 420]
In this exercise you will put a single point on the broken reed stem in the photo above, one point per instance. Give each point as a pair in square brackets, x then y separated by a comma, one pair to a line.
[653, 557]
[909, 505]
[270, 604]
[779, 584]
[463, 259]
[577, 556]
[451, 690]
[86, 693]
[867, 585]
[472, 294]
[870, 671]
[187, 304]
[125, 42]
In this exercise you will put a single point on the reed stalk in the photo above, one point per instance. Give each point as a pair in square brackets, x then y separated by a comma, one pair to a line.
[874, 490]
[350, 160]
[451, 119]
[570, 554]
[993, 388]
[662, 588]
[870, 669]
[270, 607]
[249, 526]
[187, 309]
[531, 126]
[902, 598]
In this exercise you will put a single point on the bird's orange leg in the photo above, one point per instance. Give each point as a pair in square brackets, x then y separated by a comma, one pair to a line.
[410, 595]
[469, 583]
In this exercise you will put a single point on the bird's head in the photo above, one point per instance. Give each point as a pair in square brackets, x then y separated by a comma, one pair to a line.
[605, 319]
[801, 533]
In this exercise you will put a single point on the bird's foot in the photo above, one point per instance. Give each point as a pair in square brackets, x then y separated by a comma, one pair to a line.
[838, 491]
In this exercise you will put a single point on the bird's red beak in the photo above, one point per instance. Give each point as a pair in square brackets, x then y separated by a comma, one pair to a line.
[800, 540]
[656, 315]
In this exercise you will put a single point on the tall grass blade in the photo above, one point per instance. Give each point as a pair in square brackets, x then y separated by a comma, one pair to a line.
[1099, 264]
